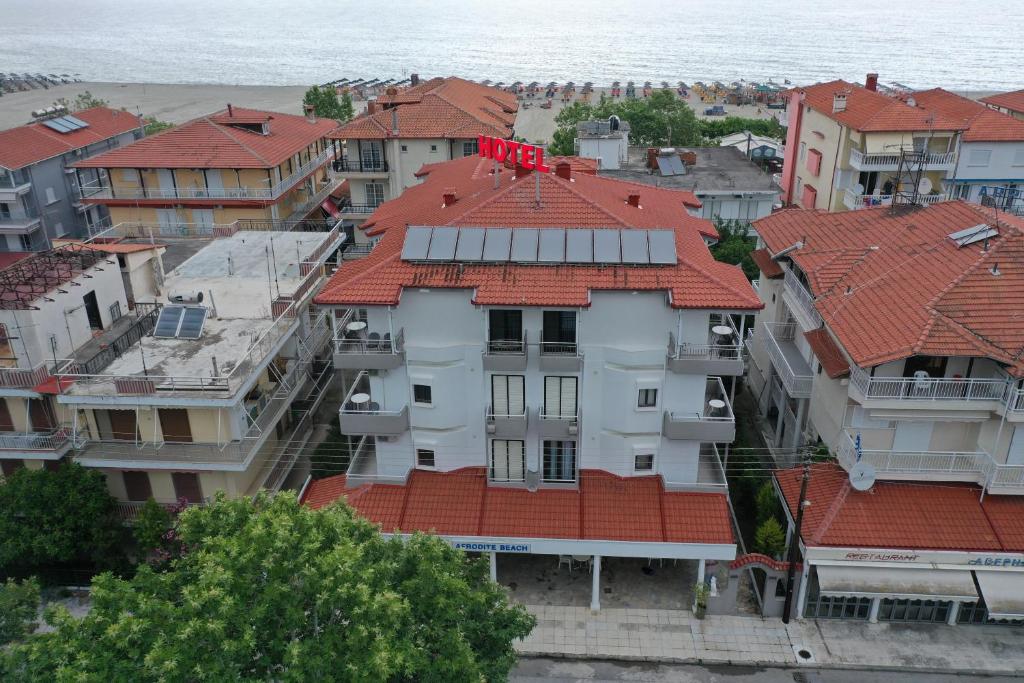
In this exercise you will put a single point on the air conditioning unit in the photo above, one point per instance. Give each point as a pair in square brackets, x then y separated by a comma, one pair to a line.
[195, 297]
[491, 427]
[574, 429]
[532, 480]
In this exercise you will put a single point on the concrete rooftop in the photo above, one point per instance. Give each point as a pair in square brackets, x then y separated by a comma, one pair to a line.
[718, 169]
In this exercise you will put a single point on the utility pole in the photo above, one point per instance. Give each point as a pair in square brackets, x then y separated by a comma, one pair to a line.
[794, 543]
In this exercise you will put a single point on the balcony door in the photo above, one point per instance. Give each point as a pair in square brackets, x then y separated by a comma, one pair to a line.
[175, 426]
[505, 330]
[6, 423]
[560, 331]
[136, 486]
[560, 397]
[122, 424]
[186, 485]
[508, 460]
[912, 437]
[40, 414]
[167, 184]
[508, 394]
[559, 461]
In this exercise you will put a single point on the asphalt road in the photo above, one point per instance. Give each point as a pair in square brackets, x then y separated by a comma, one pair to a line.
[534, 670]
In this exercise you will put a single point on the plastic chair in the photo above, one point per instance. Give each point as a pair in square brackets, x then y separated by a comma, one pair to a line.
[386, 343]
[373, 341]
[566, 560]
[373, 406]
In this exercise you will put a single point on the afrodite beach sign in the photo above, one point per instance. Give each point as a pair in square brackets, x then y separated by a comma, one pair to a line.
[528, 156]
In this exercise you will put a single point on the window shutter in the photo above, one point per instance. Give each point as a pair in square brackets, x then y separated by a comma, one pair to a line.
[499, 394]
[552, 386]
[568, 402]
[516, 394]
[516, 460]
[499, 460]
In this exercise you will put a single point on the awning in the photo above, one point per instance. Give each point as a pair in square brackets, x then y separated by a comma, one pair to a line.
[328, 206]
[1003, 593]
[896, 583]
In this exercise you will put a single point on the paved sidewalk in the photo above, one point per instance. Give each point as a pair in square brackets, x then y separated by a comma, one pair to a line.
[676, 636]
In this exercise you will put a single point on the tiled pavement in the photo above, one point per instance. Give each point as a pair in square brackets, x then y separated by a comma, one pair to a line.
[676, 636]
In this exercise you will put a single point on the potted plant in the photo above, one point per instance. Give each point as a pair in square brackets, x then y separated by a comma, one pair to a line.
[700, 599]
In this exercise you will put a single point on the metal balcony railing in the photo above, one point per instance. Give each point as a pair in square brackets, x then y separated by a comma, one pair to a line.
[24, 378]
[884, 161]
[354, 209]
[719, 347]
[507, 346]
[960, 465]
[360, 165]
[35, 441]
[802, 299]
[928, 389]
[793, 369]
[371, 343]
[559, 348]
[853, 200]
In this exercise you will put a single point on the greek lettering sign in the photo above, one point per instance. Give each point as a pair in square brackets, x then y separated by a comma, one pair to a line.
[996, 561]
[485, 547]
[528, 156]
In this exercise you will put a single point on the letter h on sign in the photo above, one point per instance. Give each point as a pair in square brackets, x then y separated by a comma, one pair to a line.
[530, 157]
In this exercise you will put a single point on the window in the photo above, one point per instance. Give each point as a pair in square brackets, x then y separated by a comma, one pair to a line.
[186, 485]
[371, 156]
[421, 394]
[979, 157]
[136, 486]
[560, 398]
[559, 461]
[405, 148]
[433, 148]
[814, 161]
[505, 331]
[26, 242]
[424, 457]
[374, 194]
[1018, 157]
[470, 148]
[508, 460]
[810, 197]
[559, 332]
[129, 175]
[5, 210]
[9, 467]
[51, 196]
[803, 151]
[643, 462]
[115, 311]
[647, 398]
[7, 357]
[508, 395]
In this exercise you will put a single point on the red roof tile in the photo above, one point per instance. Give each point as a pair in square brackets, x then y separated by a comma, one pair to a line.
[892, 285]
[438, 108]
[9, 258]
[871, 111]
[827, 353]
[35, 142]
[769, 268]
[212, 142]
[605, 507]
[907, 515]
[1014, 100]
[698, 281]
[983, 124]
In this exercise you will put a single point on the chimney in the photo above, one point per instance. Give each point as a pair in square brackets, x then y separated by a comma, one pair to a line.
[394, 121]
[521, 171]
[689, 158]
[371, 107]
[838, 102]
[310, 113]
[414, 79]
[563, 169]
[634, 200]
[448, 197]
[652, 157]
[231, 112]
[871, 82]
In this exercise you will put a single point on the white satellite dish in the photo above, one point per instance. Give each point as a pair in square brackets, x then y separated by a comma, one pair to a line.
[925, 186]
[862, 476]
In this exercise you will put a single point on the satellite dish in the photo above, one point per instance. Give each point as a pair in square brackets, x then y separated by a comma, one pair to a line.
[925, 186]
[858, 189]
[862, 476]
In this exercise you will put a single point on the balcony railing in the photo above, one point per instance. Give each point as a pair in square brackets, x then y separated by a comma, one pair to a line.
[360, 165]
[756, 284]
[927, 389]
[36, 441]
[853, 200]
[793, 369]
[721, 355]
[715, 421]
[14, 180]
[802, 300]
[24, 378]
[99, 190]
[373, 351]
[368, 417]
[358, 209]
[888, 161]
[302, 209]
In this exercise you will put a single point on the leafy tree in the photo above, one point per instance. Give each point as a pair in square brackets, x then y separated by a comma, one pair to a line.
[151, 526]
[153, 125]
[769, 538]
[327, 105]
[735, 246]
[713, 129]
[766, 503]
[19, 604]
[86, 100]
[57, 518]
[347, 110]
[272, 590]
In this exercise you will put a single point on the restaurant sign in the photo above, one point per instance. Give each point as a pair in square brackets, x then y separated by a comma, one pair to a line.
[834, 555]
[530, 157]
[485, 547]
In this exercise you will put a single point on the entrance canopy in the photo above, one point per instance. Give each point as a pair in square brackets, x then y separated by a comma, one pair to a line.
[1003, 593]
[896, 583]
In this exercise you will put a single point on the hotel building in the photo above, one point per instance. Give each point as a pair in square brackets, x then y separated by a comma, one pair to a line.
[540, 364]
[1011, 103]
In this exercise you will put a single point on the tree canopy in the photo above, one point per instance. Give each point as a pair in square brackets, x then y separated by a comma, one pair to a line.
[327, 105]
[60, 517]
[268, 589]
[735, 245]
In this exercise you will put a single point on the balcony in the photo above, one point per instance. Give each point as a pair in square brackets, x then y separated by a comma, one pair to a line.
[800, 302]
[360, 350]
[978, 393]
[363, 467]
[721, 355]
[505, 354]
[852, 200]
[560, 356]
[787, 360]
[312, 201]
[506, 425]
[710, 473]
[97, 189]
[558, 425]
[714, 423]
[24, 378]
[47, 445]
[13, 184]
[19, 225]
[357, 211]
[367, 167]
[360, 414]
[940, 161]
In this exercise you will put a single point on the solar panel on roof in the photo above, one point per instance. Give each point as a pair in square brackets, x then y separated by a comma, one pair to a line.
[192, 321]
[167, 323]
[471, 244]
[75, 120]
[634, 246]
[417, 241]
[442, 244]
[662, 246]
[579, 246]
[524, 245]
[497, 244]
[973, 234]
[606, 246]
[59, 126]
[665, 166]
[677, 165]
[552, 246]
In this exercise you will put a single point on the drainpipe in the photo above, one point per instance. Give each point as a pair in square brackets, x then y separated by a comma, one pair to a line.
[835, 165]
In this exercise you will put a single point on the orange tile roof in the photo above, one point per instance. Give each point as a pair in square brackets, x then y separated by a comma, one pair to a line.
[769, 268]
[871, 111]
[903, 515]
[605, 507]
[893, 285]
[438, 108]
[35, 142]
[1014, 100]
[212, 142]
[983, 124]
[698, 281]
[828, 354]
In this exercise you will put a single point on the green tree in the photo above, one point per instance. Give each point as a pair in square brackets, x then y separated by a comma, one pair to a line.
[735, 246]
[151, 526]
[713, 129]
[153, 125]
[769, 538]
[326, 104]
[86, 100]
[767, 503]
[19, 604]
[57, 518]
[347, 110]
[271, 590]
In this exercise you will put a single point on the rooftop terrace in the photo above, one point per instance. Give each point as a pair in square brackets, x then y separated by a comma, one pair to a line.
[718, 169]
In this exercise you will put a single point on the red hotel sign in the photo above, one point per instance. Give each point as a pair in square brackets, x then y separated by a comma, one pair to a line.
[528, 156]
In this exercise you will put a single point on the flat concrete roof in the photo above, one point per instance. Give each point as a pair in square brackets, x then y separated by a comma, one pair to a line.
[718, 170]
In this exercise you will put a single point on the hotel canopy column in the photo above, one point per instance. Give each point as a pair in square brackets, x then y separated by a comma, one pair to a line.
[494, 566]
[595, 589]
[700, 579]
